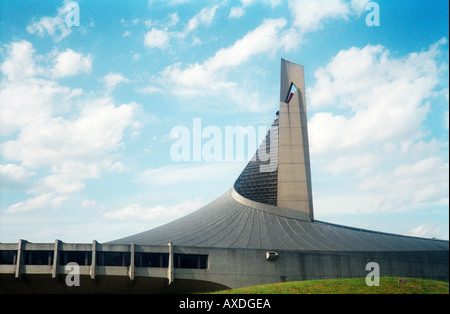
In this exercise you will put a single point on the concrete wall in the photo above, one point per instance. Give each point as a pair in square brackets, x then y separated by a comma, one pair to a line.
[239, 268]
[232, 268]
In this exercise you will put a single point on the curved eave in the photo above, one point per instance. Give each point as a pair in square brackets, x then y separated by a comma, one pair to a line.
[232, 221]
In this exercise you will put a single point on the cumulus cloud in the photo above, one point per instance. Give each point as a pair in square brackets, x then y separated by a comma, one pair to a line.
[26, 96]
[69, 63]
[51, 132]
[20, 63]
[12, 175]
[157, 38]
[384, 97]
[309, 16]
[55, 139]
[371, 129]
[53, 26]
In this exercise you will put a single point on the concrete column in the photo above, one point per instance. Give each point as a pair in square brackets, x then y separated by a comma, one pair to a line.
[20, 257]
[294, 174]
[171, 268]
[132, 250]
[94, 259]
[55, 260]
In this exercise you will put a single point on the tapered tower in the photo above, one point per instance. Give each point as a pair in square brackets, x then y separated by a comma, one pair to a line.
[280, 173]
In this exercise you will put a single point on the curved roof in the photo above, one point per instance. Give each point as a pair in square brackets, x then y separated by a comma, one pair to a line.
[252, 215]
[233, 221]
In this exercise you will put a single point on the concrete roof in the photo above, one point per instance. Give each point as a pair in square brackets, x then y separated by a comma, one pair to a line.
[229, 222]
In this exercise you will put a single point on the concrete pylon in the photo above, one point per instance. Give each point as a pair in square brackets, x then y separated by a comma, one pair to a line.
[285, 181]
[294, 189]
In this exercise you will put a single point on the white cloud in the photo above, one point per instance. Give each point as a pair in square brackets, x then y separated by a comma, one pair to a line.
[157, 38]
[56, 27]
[69, 63]
[358, 6]
[204, 17]
[20, 63]
[426, 230]
[113, 79]
[424, 182]
[43, 201]
[384, 98]
[12, 175]
[371, 131]
[209, 79]
[53, 26]
[52, 132]
[236, 12]
[173, 19]
[360, 164]
[263, 39]
[160, 37]
[157, 213]
[25, 96]
[56, 140]
[309, 15]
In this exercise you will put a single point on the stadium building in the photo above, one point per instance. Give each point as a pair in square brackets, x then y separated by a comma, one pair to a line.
[260, 231]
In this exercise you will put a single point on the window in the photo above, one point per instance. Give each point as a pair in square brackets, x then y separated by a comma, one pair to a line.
[38, 257]
[190, 261]
[82, 258]
[8, 257]
[151, 260]
[113, 259]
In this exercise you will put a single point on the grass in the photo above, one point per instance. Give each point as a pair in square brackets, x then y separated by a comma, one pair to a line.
[388, 285]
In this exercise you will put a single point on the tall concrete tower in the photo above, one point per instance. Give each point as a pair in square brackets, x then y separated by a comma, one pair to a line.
[288, 183]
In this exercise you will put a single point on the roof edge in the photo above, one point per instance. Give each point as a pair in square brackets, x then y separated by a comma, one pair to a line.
[275, 210]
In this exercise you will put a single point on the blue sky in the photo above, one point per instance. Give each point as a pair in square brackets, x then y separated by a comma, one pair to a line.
[86, 111]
